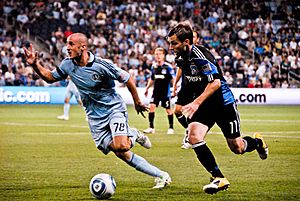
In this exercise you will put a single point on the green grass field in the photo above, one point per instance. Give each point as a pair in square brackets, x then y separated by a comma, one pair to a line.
[42, 158]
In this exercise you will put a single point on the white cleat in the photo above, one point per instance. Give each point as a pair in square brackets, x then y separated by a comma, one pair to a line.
[170, 131]
[62, 117]
[162, 181]
[149, 131]
[185, 142]
[186, 146]
[143, 140]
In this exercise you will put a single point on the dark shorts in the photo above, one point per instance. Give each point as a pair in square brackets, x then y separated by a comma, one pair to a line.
[165, 101]
[226, 117]
[182, 97]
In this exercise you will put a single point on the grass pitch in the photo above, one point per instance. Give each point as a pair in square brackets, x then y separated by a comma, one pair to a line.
[42, 158]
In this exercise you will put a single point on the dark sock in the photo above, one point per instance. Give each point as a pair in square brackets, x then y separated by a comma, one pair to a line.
[182, 120]
[251, 143]
[151, 119]
[170, 118]
[207, 159]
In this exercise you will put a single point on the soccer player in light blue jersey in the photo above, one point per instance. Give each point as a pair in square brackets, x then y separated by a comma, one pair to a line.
[106, 110]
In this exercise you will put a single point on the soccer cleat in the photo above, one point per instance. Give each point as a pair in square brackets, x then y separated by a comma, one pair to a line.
[217, 184]
[170, 131]
[262, 150]
[162, 181]
[185, 142]
[186, 146]
[149, 131]
[143, 140]
[62, 117]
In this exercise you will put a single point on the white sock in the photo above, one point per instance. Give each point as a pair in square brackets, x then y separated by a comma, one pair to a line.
[66, 109]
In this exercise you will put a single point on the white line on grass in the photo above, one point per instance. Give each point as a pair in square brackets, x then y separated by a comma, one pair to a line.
[271, 120]
[37, 125]
[85, 126]
[55, 133]
[267, 134]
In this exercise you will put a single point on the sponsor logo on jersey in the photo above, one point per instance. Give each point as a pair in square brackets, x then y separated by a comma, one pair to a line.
[159, 76]
[194, 78]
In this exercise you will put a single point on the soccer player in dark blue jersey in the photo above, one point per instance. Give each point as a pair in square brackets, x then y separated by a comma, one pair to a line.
[206, 100]
[107, 113]
[161, 77]
[178, 105]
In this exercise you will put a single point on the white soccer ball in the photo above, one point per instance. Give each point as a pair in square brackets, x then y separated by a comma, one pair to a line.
[102, 186]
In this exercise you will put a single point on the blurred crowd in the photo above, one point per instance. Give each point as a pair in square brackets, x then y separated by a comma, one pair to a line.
[256, 42]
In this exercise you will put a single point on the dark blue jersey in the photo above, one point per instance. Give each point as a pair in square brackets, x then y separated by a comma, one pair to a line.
[162, 76]
[200, 68]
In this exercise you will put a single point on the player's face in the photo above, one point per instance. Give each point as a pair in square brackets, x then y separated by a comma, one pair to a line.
[175, 45]
[159, 55]
[74, 47]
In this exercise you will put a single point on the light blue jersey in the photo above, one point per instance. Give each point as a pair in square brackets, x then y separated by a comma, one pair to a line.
[106, 110]
[95, 82]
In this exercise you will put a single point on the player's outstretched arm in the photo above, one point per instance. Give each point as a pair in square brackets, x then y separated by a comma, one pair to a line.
[139, 106]
[32, 59]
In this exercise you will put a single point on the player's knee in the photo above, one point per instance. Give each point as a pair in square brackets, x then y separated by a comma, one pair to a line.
[236, 145]
[195, 138]
[121, 147]
[236, 149]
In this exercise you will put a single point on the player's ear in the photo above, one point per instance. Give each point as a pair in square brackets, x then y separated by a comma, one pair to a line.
[187, 42]
[83, 47]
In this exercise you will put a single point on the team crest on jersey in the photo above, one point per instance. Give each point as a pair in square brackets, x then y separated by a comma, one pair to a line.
[194, 69]
[96, 77]
[163, 71]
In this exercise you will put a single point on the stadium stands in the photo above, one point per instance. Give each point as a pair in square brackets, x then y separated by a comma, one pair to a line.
[256, 42]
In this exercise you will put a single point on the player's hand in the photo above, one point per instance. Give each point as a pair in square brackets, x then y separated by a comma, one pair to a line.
[174, 93]
[189, 110]
[146, 93]
[30, 54]
[140, 108]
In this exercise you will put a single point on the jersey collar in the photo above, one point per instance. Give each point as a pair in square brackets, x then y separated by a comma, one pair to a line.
[91, 60]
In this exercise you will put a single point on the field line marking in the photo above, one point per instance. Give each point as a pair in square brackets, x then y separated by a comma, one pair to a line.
[55, 133]
[271, 120]
[266, 134]
[46, 125]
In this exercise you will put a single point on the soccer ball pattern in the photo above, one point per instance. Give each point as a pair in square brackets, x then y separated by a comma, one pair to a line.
[102, 186]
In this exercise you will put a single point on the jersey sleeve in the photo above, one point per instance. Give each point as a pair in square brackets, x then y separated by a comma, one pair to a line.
[60, 73]
[172, 71]
[115, 72]
[208, 69]
[152, 75]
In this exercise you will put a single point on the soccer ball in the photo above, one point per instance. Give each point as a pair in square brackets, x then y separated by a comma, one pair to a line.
[102, 186]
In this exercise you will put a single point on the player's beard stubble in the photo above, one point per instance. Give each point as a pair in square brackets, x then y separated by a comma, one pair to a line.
[78, 57]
